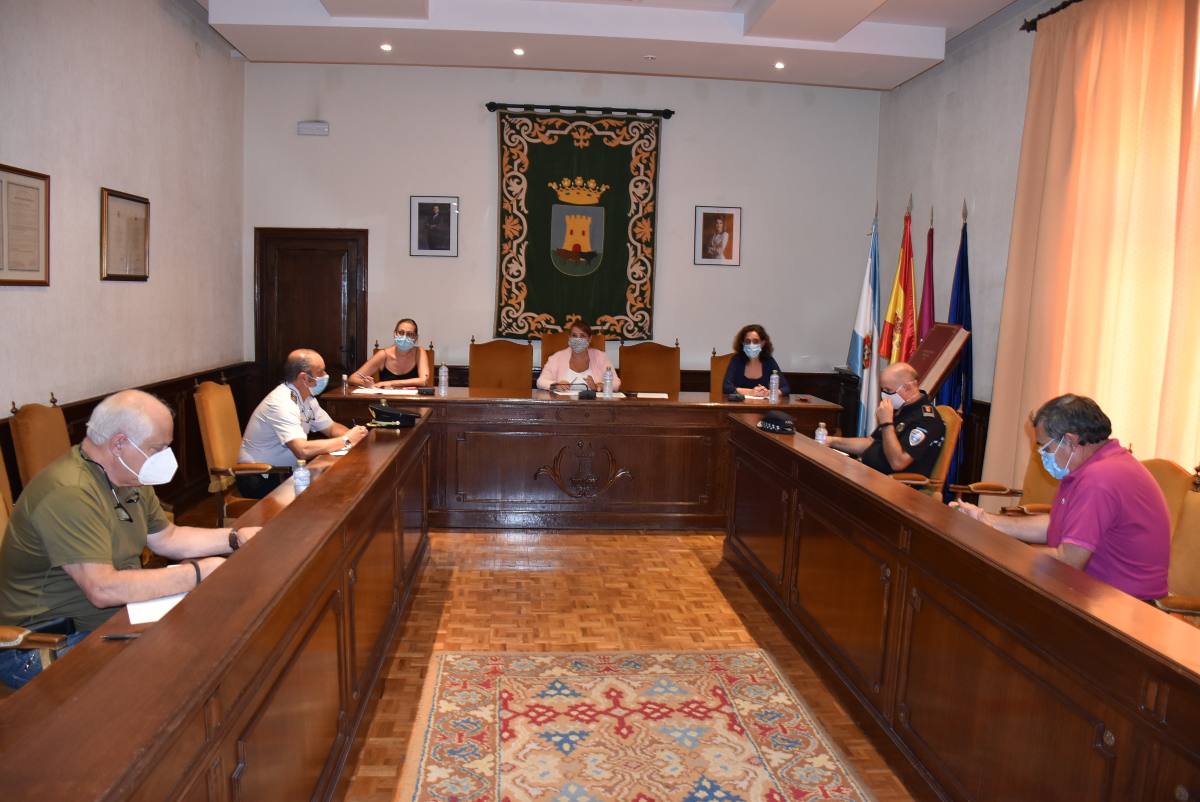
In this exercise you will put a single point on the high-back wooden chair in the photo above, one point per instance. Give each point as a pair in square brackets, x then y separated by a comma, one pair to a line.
[1183, 573]
[6, 499]
[1175, 483]
[649, 368]
[222, 438]
[717, 365]
[500, 365]
[39, 437]
[555, 341]
[937, 477]
[1035, 494]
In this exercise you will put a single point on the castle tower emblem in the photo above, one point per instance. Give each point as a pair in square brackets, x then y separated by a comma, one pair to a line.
[577, 226]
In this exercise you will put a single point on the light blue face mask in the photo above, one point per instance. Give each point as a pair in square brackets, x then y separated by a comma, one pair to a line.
[404, 343]
[1052, 467]
[752, 350]
[322, 383]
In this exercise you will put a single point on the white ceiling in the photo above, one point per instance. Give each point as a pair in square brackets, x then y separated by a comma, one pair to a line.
[870, 44]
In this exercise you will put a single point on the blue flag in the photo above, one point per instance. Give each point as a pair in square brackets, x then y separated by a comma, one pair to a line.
[956, 392]
[864, 340]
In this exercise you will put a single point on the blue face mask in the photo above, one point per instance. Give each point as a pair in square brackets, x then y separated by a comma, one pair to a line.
[404, 343]
[322, 383]
[752, 350]
[1053, 467]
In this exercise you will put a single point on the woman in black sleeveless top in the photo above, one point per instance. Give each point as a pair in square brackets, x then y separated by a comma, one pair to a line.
[401, 364]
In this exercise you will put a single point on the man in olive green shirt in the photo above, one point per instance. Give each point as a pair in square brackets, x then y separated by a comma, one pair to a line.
[73, 547]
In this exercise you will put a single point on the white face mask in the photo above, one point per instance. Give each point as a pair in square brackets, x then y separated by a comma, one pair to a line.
[158, 469]
[578, 344]
[896, 399]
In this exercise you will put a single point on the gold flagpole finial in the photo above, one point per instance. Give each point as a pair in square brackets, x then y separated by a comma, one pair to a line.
[964, 210]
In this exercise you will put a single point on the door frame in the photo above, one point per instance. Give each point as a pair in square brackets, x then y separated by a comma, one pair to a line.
[360, 269]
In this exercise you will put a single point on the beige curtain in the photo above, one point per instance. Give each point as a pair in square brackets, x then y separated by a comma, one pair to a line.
[1102, 295]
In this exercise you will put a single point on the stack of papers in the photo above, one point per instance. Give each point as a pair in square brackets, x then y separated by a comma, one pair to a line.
[648, 395]
[149, 611]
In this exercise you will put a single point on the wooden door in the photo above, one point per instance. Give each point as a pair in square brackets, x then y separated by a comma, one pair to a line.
[310, 291]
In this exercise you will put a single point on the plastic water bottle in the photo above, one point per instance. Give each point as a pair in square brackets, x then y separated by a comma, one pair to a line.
[443, 380]
[345, 384]
[774, 396]
[608, 381]
[301, 478]
[822, 434]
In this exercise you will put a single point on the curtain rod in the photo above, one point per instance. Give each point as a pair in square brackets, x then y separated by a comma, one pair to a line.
[492, 105]
[1030, 25]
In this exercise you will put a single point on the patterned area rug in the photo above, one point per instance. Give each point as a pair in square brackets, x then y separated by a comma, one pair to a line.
[618, 727]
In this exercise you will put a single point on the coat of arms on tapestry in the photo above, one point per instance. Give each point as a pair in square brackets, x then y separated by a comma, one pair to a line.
[577, 223]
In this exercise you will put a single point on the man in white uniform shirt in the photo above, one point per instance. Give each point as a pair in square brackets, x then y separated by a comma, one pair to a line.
[277, 433]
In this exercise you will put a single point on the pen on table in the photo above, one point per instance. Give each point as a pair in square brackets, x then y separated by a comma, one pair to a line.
[121, 636]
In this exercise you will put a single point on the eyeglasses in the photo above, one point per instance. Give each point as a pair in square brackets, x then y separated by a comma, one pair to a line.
[123, 514]
[412, 335]
[1044, 448]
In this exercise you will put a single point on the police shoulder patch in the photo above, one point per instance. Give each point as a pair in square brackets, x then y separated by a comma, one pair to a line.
[916, 436]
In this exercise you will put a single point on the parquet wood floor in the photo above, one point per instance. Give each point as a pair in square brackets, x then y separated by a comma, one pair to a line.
[581, 592]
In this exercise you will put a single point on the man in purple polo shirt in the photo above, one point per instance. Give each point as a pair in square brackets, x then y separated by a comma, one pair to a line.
[1109, 517]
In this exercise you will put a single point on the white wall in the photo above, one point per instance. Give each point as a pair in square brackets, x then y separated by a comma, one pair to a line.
[800, 161]
[951, 133]
[142, 97]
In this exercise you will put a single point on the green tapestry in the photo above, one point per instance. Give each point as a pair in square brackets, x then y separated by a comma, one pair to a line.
[577, 209]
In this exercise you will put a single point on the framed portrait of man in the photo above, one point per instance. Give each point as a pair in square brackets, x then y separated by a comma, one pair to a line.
[718, 236]
[433, 225]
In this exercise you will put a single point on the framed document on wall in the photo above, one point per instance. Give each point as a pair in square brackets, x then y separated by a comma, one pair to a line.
[24, 227]
[124, 236]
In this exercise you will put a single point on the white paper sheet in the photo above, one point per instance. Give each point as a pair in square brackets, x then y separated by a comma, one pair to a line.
[651, 395]
[146, 612]
[385, 391]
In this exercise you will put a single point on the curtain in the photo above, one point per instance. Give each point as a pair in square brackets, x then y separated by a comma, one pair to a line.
[1102, 294]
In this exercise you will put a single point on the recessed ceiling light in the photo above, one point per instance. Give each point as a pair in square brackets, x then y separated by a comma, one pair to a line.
[649, 57]
[779, 65]
[385, 47]
[518, 51]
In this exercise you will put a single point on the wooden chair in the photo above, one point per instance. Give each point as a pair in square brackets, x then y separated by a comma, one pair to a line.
[717, 365]
[932, 485]
[649, 368]
[1036, 492]
[6, 499]
[554, 341]
[222, 438]
[40, 436]
[1183, 575]
[501, 365]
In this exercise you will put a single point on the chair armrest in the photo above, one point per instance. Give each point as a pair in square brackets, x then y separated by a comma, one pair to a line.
[1179, 604]
[1026, 509]
[20, 638]
[911, 479]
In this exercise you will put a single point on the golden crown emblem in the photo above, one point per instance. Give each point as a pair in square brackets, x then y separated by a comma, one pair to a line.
[578, 191]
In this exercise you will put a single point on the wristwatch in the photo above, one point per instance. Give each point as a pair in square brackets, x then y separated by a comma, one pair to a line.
[347, 441]
[233, 540]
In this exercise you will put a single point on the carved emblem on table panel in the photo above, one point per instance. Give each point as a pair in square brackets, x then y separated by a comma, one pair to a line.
[584, 482]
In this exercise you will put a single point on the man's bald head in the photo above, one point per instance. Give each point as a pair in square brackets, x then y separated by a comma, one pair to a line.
[137, 415]
[302, 360]
[896, 374]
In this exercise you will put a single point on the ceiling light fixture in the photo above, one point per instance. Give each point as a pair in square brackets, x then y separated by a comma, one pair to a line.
[779, 65]
[649, 57]
[518, 51]
[385, 47]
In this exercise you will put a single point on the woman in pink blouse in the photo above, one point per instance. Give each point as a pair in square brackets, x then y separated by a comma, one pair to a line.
[577, 366]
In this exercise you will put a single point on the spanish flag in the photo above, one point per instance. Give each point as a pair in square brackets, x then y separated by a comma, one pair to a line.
[899, 337]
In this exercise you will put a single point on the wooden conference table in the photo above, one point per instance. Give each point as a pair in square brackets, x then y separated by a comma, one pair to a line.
[537, 460]
[998, 673]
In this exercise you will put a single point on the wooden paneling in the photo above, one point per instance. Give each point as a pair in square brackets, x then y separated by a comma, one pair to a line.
[292, 739]
[999, 672]
[191, 480]
[373, 590]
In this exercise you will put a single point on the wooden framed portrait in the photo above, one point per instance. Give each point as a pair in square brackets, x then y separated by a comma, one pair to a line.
[718, 236]
[433, 225]
[24, 227]
[124, 236]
